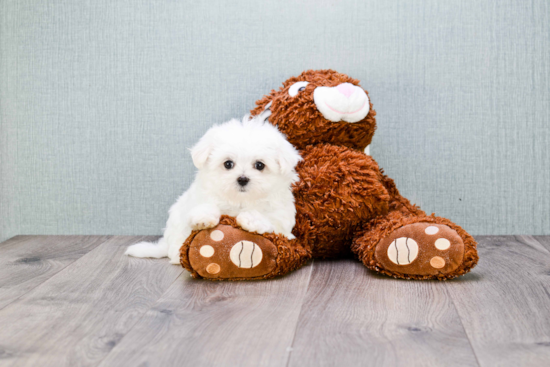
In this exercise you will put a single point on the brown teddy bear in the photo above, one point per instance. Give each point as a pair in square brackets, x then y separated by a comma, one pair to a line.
[345, 204]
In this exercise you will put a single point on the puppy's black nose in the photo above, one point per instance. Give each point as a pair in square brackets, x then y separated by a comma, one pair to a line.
[243, 180]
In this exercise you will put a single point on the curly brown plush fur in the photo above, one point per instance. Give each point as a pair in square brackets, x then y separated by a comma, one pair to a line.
[345, 204]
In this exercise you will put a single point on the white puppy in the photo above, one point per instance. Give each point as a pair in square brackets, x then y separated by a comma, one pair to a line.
[245, 170]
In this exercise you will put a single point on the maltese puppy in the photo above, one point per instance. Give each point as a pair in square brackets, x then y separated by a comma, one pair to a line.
[245, 169]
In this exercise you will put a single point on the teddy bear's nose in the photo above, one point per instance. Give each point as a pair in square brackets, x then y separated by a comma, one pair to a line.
[346, 89]
[343, 102]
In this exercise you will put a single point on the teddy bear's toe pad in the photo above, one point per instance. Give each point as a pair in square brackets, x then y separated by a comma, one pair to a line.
[421, 249]
[225, 252]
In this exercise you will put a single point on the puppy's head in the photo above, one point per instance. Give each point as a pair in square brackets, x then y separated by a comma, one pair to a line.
[245, 160]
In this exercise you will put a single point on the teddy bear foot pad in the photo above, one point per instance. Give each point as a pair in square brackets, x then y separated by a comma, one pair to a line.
[421, 249]
[224, 252]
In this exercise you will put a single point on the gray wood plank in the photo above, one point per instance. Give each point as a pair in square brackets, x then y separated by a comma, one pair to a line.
[504, 303]
[77, 316]
[203, 323]
[352, 317]
[543, 240]
[28, 261]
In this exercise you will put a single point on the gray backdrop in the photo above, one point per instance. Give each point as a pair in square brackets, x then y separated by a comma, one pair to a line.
[100, 100]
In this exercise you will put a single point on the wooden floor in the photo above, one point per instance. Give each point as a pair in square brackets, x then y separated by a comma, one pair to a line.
[77, 300]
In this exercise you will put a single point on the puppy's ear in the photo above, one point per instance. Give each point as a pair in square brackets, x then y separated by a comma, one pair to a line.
[201, 151]
[287, 157]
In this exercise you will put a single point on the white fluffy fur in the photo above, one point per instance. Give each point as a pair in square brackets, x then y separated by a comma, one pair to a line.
[265, 204]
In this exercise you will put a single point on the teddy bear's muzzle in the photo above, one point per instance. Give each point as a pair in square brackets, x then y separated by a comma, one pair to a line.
[345, 102]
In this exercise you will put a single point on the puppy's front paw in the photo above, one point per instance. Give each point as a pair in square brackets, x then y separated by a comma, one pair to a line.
[203, 220]
[254, 222]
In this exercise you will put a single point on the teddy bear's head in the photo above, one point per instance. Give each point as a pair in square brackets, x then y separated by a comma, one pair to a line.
[321, 106]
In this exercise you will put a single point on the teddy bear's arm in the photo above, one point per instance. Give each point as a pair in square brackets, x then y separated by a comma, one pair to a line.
[339, 189]
[340, 180]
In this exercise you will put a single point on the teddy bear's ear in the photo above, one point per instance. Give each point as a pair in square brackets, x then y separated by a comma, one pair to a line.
[201, 151]
[288, 157]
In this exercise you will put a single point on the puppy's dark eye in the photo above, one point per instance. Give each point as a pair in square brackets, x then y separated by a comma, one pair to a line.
[229, 164]
[259, 166]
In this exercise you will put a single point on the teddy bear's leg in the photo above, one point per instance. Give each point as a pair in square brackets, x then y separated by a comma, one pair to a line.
[406, 243]
[227, 252]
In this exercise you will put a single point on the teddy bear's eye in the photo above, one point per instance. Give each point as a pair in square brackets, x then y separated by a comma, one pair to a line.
[296, 88]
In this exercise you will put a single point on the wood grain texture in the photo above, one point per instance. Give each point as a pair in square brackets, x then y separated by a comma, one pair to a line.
[110, 310]
[77, 316]
[354, 317]
[28, 261]
[202, 323]
[505, 303]
[544, 240]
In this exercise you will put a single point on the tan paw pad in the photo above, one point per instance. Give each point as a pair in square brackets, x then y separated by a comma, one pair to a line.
[437, 262]
[246, 254]
[213, 268]
[216, 235]
[431, 230]
[206, 251]
[403, 251]
[442, 244]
